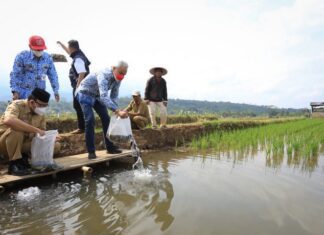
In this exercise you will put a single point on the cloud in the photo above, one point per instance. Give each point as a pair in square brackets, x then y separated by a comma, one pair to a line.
[260, 52]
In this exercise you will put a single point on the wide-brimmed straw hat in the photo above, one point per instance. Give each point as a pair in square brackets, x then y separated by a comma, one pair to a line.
[164, 71]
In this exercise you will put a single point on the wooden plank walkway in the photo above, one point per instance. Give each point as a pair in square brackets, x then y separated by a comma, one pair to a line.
[68, 163]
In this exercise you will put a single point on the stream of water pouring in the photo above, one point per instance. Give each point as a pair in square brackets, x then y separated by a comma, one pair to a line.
[140, 172]
[137, 154]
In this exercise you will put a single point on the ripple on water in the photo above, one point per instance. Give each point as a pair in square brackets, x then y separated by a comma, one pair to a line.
[28, 194]
[144, 174]
[107, 202]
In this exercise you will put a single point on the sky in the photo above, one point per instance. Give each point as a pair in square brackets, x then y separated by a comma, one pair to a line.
[244, 51]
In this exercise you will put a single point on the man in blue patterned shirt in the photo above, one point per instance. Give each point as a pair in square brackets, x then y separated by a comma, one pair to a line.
[99, 91]
[31, 69]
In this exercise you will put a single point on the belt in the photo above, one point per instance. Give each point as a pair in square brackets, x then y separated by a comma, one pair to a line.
[86, 92]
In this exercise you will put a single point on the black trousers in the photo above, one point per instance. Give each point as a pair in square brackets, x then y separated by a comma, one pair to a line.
[79, 112]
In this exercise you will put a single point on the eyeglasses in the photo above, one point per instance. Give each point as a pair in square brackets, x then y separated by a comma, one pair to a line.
[40, 104]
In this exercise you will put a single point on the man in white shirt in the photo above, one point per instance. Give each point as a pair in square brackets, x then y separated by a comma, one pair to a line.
[78, 71]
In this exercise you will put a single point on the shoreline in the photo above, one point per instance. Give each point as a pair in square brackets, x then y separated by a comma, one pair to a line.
[174, 136]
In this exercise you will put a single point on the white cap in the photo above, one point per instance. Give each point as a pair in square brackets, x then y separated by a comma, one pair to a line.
[136, 93]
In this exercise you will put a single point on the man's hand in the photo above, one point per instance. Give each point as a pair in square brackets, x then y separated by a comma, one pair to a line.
[78, 83]
[122, 113]
[165, 104]
[80, 78]
[21, 126]
[58, 138]
[64, 47]
[132, 114]
[15, 96]
[57, 98]
[41, 132]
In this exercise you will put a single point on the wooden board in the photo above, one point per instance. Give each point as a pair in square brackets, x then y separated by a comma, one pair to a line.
[68, 163]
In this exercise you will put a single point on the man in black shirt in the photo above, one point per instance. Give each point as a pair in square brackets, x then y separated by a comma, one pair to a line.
[156, 96]
[78, 71]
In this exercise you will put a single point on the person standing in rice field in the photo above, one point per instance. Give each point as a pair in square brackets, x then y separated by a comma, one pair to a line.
[156, 96]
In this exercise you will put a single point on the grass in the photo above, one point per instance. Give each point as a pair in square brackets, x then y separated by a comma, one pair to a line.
[67, 122]
[301, 138]
[172, 119]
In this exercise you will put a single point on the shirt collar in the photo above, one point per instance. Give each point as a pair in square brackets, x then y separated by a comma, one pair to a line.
[27, 109]
[73, 54]
[32, 56]
[139, 102]
[113, 77]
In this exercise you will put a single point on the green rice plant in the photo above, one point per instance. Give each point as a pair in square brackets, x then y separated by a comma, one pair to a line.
[205, 144]
[289, 150]
[296, 139]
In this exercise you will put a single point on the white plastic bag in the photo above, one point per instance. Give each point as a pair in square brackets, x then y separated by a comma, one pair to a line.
[42, 149]
[119, 130]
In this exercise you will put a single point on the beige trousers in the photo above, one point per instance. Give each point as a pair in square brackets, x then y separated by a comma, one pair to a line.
[139, 122]
[154, 107]
[14, 143]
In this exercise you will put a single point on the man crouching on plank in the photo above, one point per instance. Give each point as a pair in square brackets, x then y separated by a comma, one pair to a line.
[22, 120]
[99, 91]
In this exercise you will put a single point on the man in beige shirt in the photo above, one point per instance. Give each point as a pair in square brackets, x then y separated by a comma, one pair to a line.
[22, 120]
[138, 112]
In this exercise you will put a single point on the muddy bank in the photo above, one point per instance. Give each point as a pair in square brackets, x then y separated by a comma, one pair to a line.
[176, 135]
[146, 139]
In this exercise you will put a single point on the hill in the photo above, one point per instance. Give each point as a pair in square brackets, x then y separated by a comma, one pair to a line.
[190, 107]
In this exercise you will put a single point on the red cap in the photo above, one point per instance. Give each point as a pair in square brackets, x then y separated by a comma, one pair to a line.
[37, 43]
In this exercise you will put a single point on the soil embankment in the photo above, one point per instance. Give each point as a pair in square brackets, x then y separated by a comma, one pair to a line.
[65, 125]
[175, 135]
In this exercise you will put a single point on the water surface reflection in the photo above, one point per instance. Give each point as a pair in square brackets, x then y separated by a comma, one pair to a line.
[107, 204]
[184, 193]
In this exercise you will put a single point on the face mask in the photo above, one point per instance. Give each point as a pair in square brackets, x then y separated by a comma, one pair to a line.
[119, 76]
[40, 111]
[38, 53]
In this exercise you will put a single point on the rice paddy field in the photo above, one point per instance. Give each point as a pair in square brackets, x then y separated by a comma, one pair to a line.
[301, 138]
[266, 179]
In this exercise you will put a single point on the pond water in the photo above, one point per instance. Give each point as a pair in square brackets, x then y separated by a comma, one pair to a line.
[177, 194]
